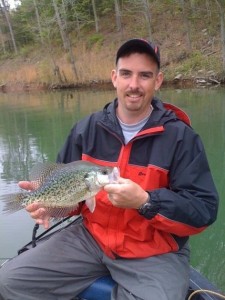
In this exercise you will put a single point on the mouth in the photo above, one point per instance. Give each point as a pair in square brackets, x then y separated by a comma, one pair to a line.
[134, 97]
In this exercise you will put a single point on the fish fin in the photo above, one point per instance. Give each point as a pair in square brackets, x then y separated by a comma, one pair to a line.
[41, 171]
[80, 165]
[60, 212]
[91, 204]
[13, 202]
[114, 176]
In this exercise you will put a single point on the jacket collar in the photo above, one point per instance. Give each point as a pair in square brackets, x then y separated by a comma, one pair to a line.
[161, 114]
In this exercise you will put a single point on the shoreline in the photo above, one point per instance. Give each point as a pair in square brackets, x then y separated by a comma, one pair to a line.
[17, 87]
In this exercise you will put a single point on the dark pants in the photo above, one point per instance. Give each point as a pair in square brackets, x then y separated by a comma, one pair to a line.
[70, 261]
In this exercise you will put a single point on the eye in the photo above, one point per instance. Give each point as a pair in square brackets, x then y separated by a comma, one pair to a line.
[104, 172]
[125, 73]
[86, 176]
[146, 75]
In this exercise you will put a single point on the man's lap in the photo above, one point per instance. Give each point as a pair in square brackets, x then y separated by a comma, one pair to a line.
[71, 260]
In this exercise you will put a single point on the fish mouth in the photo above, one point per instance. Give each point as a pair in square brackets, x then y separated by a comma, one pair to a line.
[102, 180]
[112, 177]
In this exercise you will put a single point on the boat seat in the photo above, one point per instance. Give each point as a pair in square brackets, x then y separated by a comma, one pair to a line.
[99, 290]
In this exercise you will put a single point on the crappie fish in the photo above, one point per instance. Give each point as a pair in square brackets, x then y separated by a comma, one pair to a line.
[60, 187]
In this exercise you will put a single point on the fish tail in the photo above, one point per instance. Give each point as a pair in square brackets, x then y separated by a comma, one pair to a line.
[13, 202]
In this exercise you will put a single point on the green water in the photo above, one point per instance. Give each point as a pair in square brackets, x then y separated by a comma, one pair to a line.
[34, 126]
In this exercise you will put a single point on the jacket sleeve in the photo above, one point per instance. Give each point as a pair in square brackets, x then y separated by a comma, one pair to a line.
[190, 203]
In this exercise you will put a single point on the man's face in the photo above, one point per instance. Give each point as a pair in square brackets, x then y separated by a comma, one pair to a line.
[136, 79]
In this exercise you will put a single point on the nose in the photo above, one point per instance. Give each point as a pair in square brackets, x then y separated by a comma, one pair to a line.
[134, 82]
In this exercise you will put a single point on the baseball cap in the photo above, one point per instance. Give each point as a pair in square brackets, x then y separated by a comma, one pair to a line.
[140, 46]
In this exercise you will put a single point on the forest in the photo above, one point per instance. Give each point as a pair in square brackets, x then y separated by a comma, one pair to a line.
[52, 43]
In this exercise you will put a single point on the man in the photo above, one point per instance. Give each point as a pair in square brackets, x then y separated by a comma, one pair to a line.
[139, 230]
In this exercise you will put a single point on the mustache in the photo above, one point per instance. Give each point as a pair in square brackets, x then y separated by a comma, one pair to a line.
[134, 92]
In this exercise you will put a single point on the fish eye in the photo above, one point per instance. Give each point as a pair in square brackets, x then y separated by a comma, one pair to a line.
[105, 172]
[86, 175]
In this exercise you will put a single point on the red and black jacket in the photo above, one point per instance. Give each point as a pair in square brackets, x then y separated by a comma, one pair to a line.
[168, 160]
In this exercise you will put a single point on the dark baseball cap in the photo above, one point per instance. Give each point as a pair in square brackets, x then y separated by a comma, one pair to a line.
[139, 46]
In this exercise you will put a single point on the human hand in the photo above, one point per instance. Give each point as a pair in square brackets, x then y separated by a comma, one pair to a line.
[38, 213]
[126, 193]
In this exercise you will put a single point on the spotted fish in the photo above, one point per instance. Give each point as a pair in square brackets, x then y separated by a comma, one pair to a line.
[60, 187]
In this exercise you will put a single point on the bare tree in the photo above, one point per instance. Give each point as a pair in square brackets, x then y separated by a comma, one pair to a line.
[2, 41]
[4, 6]
[208, 8]
[142, 7]
[72, 60]
[95, 16]
[221, 6]
[147, 14]
[185, 13]
[118, 16]
[61, 26]
[77, 21]
[193, 7]
[65, 38]
[38, 21]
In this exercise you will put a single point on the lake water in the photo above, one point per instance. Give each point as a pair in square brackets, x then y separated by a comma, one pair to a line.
[33, 127]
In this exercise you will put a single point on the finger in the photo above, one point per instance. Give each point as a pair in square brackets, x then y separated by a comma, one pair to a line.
[43, 221]
[46, 222]
[26, 185]
[110, 196]
[112, 188]
[114, 199]
[38, 214]
[122, 180]
[32, 207]
[115, 202]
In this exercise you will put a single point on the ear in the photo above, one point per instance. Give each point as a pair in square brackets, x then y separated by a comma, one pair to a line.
[114, 77]
[159, 81]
